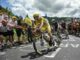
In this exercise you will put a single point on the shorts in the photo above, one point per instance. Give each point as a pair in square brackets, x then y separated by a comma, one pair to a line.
[5, 34]
[10, 32]
[18, 32]
[0, 33]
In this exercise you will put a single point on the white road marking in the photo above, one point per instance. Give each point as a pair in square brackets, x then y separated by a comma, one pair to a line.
[64, 45]
[53, 54]
[2, 53]
[70, 40]
[71, 45]
[75, 45]
[45, 46]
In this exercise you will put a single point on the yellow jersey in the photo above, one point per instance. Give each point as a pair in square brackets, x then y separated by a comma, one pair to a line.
[42, 20]
[28, 21]
[46, 25]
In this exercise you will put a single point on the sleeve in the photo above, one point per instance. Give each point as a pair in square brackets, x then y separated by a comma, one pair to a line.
[41, 23]
[16, 23]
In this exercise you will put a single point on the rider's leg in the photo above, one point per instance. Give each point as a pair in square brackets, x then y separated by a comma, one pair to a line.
[58, 40]
[51, 42]
[41, 40]
[34, 43]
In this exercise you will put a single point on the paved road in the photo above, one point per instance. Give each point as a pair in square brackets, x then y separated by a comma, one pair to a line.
[68, 50]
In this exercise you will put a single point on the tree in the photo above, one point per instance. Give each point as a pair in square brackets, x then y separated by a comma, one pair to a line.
[6, 10]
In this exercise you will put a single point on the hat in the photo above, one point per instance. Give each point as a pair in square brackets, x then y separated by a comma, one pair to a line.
[36, 14]
[13, 17]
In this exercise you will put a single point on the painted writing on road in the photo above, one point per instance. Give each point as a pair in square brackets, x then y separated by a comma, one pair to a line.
[69, 45]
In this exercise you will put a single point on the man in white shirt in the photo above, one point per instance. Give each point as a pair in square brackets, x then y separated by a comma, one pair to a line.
[12, 23]
[1, 37]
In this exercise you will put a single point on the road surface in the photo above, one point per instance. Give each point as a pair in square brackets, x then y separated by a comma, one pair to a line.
[68, 50]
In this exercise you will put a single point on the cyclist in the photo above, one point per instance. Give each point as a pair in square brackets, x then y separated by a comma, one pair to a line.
[64, 28]
[42, 25]
[28, 23]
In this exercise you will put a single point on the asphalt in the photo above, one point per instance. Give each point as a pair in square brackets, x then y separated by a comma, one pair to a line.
[68, 50]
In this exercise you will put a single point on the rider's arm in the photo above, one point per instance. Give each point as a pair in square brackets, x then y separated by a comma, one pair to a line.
[40, 25]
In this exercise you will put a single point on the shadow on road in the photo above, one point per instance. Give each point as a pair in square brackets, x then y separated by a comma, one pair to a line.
[33, 55]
